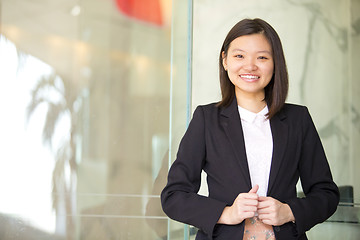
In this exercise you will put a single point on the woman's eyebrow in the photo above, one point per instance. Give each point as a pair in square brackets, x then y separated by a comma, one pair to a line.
[265, 51]
[261, 51]
[237, 50]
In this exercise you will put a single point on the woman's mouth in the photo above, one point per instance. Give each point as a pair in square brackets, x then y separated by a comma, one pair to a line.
[249, 77]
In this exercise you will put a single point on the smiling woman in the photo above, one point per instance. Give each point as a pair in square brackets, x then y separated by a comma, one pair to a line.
[250, 67]
[260, 49]
[254, 148]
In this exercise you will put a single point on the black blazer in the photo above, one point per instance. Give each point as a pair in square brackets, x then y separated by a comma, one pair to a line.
[214, 142]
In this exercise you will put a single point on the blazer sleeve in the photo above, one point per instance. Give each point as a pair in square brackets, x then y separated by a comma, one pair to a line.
[179, 198]
[321, 193]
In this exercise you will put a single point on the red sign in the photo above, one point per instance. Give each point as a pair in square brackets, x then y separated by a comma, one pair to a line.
[143, 10]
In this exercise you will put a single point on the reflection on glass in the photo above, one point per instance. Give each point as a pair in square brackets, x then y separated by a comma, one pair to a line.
[26, 164]
[85, 102]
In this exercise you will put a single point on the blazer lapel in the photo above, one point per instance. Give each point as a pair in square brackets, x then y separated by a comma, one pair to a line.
[232, 125]
[279, 130]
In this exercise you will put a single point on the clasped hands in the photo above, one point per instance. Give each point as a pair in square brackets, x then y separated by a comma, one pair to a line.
[270, 211]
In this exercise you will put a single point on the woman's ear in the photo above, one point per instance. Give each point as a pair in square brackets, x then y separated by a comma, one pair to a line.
[224, 60]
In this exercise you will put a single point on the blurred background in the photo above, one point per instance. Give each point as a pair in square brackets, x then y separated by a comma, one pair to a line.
[95, 96]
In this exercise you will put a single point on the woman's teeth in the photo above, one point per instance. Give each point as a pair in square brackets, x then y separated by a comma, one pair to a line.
[250, 76]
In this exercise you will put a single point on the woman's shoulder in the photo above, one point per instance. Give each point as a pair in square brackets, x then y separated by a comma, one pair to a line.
[293, 108]
[209, 107]
[208, 112]
[296, 111]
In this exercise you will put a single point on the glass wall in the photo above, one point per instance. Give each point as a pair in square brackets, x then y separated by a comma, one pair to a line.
[93, 93]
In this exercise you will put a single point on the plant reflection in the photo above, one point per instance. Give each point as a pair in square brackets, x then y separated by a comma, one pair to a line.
[63, 102]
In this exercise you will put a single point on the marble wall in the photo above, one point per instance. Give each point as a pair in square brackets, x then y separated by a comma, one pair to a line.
[321, 44]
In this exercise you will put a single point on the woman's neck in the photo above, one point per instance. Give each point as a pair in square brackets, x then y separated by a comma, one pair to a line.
[252, 104]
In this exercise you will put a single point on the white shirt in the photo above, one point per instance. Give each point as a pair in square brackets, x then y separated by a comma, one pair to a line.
[258, 145]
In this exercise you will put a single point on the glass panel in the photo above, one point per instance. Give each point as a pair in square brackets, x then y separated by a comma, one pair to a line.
[180, 90]
[321, 43]
[85, 92]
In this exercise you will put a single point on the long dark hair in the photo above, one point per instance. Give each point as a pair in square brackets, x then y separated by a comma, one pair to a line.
[277, 89]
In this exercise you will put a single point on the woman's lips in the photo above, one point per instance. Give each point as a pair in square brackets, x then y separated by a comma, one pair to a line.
[249, 77]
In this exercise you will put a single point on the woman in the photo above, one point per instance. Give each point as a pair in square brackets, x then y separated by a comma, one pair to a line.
[254, 148]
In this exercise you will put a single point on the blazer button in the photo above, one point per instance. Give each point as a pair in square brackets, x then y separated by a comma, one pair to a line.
[277, 229]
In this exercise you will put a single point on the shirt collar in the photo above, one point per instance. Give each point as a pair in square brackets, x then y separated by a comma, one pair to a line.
[249, 116]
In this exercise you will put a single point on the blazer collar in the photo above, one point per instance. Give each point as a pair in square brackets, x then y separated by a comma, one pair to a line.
[233, 128]
[230, 110]
[279, 131]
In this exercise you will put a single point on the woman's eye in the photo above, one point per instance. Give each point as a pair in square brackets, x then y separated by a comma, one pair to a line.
[239, 56]
[263, 57]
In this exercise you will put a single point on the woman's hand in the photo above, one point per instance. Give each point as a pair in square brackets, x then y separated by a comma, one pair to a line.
[274, 212]
[244, 206]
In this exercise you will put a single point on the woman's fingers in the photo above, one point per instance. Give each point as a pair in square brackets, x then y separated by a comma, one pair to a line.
[244, 206]
[254, 189]
[274, 212]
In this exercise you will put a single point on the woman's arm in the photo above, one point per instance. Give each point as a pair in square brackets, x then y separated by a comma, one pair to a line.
[179, 198]
[322, 194]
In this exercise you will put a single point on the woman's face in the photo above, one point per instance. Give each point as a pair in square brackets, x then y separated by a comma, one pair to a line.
[249, 64]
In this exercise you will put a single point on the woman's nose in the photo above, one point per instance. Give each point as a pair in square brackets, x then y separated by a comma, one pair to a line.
[250, 65]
